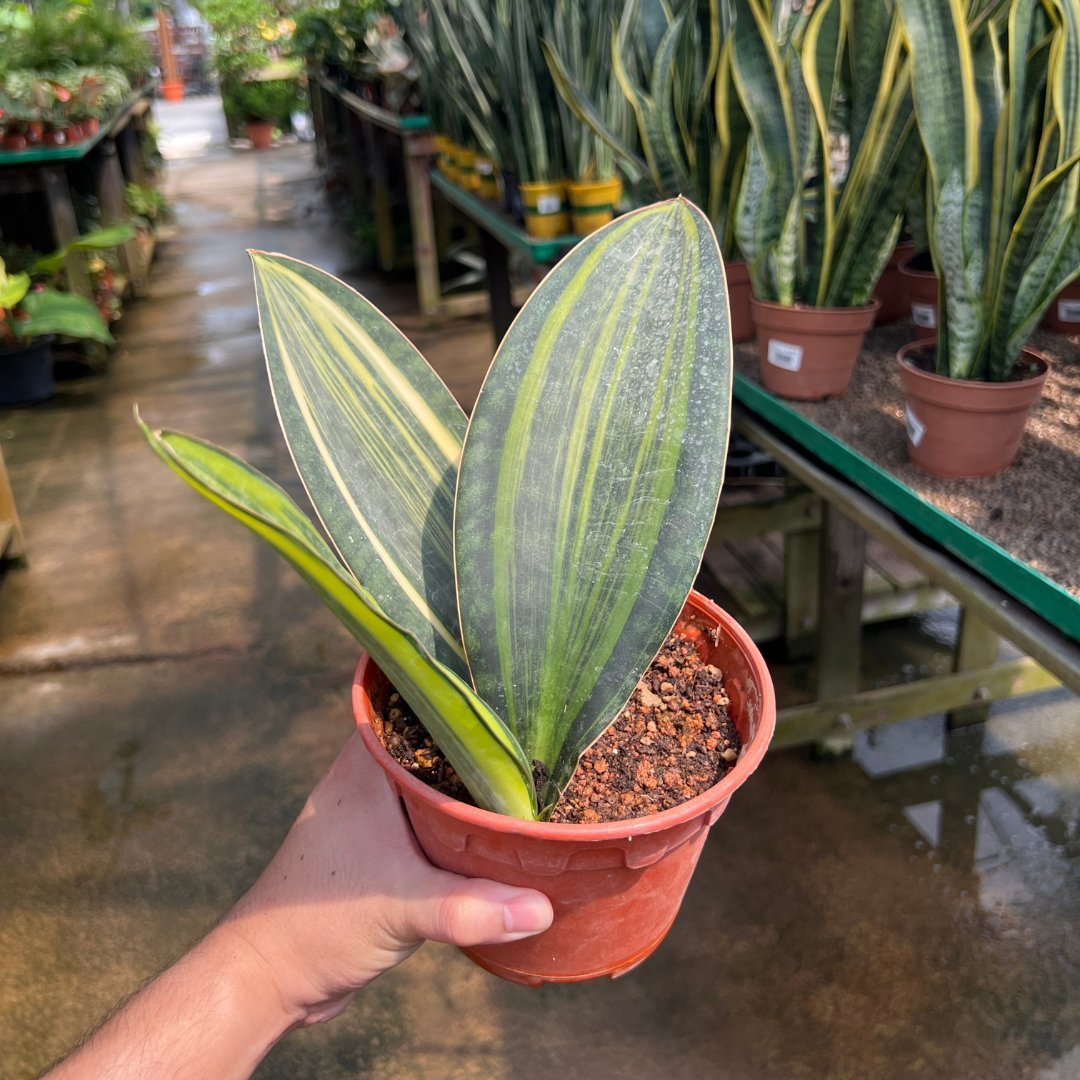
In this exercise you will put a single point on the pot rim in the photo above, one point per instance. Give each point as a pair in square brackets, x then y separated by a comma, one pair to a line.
[905, 268]
[687, 811]
[932, 376]
[872, 306]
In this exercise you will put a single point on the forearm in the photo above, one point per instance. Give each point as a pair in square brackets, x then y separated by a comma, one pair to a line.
[213, 1014]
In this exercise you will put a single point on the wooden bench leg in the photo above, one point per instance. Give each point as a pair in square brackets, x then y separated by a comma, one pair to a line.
[802, 560]
[65, 228]
[977, 646]
[421, 218]
[839, 623]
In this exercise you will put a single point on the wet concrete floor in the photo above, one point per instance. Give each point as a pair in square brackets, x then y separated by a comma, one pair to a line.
[169, 692]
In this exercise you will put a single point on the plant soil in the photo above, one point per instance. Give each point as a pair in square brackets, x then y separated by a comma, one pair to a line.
[1021, 508]
[672, 741]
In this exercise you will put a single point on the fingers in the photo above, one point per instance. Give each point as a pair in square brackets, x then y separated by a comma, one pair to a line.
[473, 911]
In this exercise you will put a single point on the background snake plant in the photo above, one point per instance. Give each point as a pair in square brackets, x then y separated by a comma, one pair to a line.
[997, 98]
[833, 156]
[514, 574]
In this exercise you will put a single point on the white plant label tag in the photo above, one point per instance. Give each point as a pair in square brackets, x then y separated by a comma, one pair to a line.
[484, 168]
[916, 429]
[924, 315]
[783, 355]
[548, 204]
[1069, 310]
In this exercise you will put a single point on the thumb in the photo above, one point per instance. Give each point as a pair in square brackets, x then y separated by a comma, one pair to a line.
[475, 911]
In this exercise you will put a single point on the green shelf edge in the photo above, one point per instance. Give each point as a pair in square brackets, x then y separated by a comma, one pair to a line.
[1026, 584]
[508, 234]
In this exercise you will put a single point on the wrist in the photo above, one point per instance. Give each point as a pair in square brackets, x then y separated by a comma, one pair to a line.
[247, 987]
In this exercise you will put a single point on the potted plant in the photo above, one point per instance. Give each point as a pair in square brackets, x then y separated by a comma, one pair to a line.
[691, 132]
[490, 59]
[817, 235]
[578, 41]
[30, 317]
[514, 575]
[262, 105]
[1000, 122]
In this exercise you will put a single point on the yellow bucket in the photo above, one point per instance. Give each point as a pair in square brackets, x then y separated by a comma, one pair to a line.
[593, 202]
[487, 182]
[466, 165]
[545, 209]
[443, 148]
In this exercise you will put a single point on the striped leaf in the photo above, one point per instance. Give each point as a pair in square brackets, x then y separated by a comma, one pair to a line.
[590, 475]
[474, 740]
[376, 438]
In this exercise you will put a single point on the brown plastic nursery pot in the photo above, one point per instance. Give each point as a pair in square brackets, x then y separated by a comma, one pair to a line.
[739, 296]
[1063, 315]
[891, 288]
[965, 428]
[616, 887]
[261, 134]
[922, 292]
[809, 353]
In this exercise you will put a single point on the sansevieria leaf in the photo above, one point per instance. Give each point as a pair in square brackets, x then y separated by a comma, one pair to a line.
[376, 437]
[472, 737]
[590, 475]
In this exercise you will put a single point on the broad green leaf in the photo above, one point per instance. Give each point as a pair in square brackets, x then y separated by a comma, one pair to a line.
[99, 240]
[376, 438]
[474, 740]
[590, 475]
[13, 287]
[50, 311]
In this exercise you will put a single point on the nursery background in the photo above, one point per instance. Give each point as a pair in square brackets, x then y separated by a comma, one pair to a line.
[894, 187]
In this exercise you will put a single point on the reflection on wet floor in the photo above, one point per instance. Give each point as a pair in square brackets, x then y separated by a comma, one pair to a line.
[1000, 801]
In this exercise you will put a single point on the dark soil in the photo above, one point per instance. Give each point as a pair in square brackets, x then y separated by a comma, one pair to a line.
[673, 740]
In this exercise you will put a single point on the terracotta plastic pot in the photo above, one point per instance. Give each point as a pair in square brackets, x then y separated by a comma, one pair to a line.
[15, 140]
[545, 209]
[965, 428]
[261, 134]
[740, 294]
[891, 288]
[172, 90]
[922, 291]
[26, 373]
[809, 353]
[592, 203]
[1063, 315]
[615, 887]
[35, 132]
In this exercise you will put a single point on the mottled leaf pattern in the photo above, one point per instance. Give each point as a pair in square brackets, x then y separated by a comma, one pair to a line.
[590, 475]
[376, 438]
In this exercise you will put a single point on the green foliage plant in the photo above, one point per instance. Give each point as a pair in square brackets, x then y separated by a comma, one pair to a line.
[816, 86]
[513, 574]
[28, 312]
[998, 106]
[672, 65]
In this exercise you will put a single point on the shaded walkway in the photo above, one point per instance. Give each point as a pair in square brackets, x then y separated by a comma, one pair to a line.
[169, 691]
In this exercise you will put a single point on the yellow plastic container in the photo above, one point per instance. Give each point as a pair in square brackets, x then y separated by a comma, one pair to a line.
[487, 180]
[443, 147]
[466, 166]
[592, 203]
[546, 214]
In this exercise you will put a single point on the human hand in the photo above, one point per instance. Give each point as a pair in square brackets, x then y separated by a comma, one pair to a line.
[349, 895]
